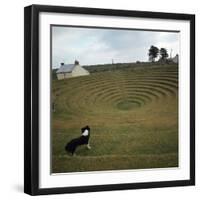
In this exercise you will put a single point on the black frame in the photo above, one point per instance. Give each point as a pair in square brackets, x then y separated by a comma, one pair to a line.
[31, 98]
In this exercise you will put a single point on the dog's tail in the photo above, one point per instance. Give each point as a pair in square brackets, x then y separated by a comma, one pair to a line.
[67, 148]
[70, 148]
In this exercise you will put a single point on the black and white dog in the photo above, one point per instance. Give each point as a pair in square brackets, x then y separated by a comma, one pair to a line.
[83, 139]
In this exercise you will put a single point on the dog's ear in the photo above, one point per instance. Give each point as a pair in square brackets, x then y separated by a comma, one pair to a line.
[88, 128]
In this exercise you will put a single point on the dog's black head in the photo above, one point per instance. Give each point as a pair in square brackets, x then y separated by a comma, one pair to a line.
[85, 128]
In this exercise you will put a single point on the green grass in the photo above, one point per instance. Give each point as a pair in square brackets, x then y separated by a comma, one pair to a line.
[132, 114]
[127, 105]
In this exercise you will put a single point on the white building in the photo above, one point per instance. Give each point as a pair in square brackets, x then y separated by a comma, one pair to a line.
[71, 70]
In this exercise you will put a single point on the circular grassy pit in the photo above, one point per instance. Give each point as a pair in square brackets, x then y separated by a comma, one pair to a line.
[128, 105]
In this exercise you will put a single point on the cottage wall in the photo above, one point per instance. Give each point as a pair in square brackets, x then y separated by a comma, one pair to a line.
[79, 71]
[61, 76]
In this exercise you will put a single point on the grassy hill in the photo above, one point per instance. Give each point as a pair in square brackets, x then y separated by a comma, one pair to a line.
[133, 117]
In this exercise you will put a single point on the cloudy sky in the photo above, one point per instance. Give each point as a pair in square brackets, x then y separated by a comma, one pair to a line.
[99, 46]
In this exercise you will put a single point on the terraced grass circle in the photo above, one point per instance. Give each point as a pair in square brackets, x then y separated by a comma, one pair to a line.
[111, 91]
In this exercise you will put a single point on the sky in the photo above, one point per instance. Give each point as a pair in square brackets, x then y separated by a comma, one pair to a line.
[92, 46]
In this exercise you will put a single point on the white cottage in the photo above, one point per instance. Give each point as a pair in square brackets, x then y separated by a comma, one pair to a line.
[71, 70]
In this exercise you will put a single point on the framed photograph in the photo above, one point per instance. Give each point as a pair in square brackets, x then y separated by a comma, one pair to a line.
[109, 99]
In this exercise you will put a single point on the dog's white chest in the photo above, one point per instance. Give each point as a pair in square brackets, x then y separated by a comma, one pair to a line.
[85, 133]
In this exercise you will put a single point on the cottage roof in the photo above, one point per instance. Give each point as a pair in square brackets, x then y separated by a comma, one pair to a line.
[65, 68]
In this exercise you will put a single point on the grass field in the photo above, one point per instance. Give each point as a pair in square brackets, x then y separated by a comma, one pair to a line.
[132, 113]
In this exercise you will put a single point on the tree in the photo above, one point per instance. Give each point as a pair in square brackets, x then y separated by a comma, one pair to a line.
[153, 53]
[163, 54]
